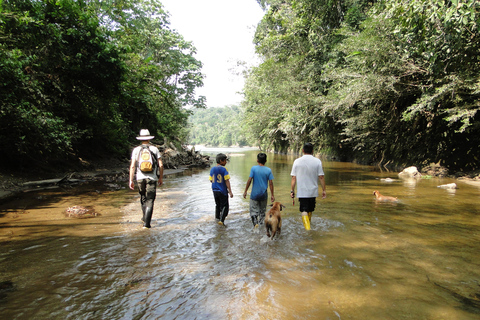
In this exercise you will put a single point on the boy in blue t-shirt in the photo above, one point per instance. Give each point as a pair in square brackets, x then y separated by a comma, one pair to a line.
[220, 179]
[262, 178]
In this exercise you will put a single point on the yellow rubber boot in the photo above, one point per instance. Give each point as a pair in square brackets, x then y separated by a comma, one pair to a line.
[306, 221]
[310, 217]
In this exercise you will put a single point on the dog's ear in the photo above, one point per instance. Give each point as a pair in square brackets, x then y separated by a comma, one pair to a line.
[270, 205]
[282, 207]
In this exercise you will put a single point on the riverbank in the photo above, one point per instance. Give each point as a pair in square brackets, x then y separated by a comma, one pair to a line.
[175, 161]
[106, 170]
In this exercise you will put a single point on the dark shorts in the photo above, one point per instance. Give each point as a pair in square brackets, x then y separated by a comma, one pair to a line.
[307, 204]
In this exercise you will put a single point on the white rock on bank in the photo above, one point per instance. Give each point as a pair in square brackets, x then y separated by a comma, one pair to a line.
[452, 185]
[410, 172]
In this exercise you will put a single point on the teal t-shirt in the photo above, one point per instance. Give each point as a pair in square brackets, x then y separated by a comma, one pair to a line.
[260, 175]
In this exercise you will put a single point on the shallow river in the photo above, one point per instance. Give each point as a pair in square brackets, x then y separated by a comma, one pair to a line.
[416, 259]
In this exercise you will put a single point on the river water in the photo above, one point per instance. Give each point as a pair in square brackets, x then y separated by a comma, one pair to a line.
[415, 259]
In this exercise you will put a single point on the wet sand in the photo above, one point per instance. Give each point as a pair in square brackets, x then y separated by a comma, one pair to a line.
[38, 214]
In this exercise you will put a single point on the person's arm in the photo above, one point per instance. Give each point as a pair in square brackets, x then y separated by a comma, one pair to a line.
[132, 174]
[249, 181]
[227, 182]
[272, 197]
[322, 183]
[160, 169]
[293, 183]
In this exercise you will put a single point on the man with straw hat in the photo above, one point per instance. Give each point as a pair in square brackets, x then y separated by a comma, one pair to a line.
[148, 167]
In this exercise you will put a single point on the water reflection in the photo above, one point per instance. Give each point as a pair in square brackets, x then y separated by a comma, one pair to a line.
[416, 259]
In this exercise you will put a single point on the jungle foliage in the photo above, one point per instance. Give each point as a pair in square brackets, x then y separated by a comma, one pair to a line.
[218, 127]
[386, 82]
[81, 78]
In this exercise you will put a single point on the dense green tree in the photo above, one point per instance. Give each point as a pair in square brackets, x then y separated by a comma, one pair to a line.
[405, 91]
[80, 78]
[164, 74]
[387, 82]
[59, 75]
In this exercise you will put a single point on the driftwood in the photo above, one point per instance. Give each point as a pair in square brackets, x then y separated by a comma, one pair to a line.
[49, 183]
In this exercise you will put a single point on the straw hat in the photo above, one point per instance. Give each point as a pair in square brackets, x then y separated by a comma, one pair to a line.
[145, 135]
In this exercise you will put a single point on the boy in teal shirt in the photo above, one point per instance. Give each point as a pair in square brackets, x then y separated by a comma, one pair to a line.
[262, 178]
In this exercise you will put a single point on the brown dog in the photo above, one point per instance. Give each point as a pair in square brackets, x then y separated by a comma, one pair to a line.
[380, 197]
[273, 220]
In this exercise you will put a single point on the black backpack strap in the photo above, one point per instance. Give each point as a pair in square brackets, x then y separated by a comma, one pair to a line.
[154, 157]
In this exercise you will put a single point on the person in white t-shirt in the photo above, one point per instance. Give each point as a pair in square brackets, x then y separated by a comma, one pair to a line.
[148, 175]
[306, 172]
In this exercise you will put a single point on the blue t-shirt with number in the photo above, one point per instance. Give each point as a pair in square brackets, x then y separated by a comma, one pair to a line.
[260, 175]
[218, 175]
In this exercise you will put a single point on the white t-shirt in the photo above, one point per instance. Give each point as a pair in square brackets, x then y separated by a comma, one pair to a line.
[307, 169]
[142, 175]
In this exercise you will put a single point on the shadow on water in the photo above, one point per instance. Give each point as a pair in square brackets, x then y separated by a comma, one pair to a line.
[416, 259]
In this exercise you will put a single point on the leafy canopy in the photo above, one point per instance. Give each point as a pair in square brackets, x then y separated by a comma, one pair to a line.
[80, 78]
[388, 81]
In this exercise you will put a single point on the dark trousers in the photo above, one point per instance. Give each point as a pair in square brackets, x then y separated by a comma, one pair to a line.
[221, 205]
[148, 191]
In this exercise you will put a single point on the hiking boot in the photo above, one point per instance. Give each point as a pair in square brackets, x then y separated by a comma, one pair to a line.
[148, 217]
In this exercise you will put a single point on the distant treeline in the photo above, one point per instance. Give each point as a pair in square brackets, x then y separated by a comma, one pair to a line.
[81, 78]
[386, 81]
[218, 127]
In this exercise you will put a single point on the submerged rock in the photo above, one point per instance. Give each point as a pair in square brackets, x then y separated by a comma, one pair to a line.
[5, 288]
[448, 186]
[388, 180]
[81, 212]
